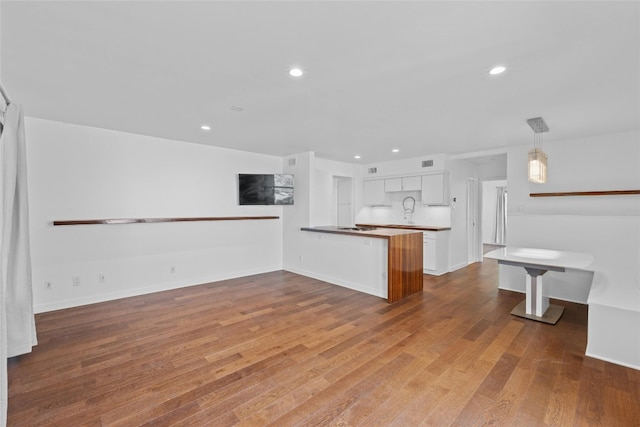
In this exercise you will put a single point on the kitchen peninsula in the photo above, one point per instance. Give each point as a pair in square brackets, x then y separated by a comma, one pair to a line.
[436, 245]
[355, 257]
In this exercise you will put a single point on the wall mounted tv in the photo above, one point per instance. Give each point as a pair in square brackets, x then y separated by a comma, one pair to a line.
[255, 189]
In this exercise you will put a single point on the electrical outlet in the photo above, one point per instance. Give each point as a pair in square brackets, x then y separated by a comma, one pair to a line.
[48, 286]
[300, 258]
[172, 270]
[76, 280]
[101, 278]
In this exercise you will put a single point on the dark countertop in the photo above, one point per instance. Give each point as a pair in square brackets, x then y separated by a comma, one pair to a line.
[381, 233]
[416, 227]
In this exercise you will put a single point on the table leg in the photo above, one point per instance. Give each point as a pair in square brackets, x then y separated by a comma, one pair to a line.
[536, 306]
[537, 303]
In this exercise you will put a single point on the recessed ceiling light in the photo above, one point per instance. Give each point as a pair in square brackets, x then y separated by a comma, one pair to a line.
[395, 150]
[237, 108]
[497, 70]
[295, 72]
[205, 127]
[356, 157]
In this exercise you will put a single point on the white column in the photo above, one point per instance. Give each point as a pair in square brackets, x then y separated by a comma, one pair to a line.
[537, 304]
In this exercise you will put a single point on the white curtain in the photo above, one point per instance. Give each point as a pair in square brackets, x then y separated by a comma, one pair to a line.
[501, 216]
[17, 322]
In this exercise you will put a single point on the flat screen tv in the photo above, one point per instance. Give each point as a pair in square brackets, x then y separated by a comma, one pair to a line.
[256, 189]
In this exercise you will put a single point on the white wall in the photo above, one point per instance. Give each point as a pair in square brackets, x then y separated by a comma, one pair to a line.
[79, 172]
[2, 101]
[495, 170]
[461, 171]
[606, 226]
[298, 215]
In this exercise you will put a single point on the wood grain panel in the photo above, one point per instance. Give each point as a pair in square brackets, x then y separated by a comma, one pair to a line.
[281, 349]
[586, 193]
[155, 220]
[404, 266]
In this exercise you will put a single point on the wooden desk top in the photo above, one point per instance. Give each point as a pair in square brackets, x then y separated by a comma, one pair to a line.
[416, 227]
[542, 257]
[381, 233]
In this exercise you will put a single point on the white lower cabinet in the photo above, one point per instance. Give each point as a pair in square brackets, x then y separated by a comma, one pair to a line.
[430, 254]
[435, 252]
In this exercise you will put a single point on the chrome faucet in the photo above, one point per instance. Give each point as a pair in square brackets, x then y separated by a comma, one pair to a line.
[409, 206]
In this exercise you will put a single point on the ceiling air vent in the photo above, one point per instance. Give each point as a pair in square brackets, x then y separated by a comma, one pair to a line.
[372, 170]
[427, 163]
[292, 161]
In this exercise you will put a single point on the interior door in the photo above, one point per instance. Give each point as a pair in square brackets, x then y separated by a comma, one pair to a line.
[345, 202]
[472, 221]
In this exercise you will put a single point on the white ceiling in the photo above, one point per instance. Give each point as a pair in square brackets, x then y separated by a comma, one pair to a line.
[378, 75]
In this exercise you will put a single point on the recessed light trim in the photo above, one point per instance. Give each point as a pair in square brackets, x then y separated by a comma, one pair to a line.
[237, 108]
[205, 127]
[498, 69]
[296, 72]
[395, 150]
[356, 156]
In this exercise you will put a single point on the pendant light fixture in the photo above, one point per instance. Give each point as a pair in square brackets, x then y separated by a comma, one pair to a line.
[537, 158]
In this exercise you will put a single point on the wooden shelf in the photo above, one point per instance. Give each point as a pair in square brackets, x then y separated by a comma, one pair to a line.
[586, 193]
[154, 220]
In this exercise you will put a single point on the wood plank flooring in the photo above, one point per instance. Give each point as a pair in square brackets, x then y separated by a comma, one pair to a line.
[280, 349]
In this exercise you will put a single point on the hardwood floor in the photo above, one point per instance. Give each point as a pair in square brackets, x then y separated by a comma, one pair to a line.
[281, 349]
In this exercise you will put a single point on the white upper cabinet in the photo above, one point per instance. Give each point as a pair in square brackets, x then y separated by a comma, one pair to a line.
[374, 194]
[435, 189]
[393, 184]
[411, 183]
[406, 183]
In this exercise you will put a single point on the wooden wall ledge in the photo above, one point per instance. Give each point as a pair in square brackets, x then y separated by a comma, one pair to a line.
[586, 193]
[154, 220]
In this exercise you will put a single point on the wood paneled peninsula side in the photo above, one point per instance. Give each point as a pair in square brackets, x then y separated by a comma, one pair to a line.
[436, 245]
[336, 259]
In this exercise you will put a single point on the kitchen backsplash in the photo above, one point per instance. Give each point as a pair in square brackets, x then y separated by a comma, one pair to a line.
[424, 215]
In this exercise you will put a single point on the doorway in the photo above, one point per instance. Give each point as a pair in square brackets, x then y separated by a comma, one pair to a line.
[494, 213]
[473, 247]
[343, 201]
[491, 170]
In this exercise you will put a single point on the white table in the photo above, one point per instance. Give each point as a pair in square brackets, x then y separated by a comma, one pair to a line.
[537, 262]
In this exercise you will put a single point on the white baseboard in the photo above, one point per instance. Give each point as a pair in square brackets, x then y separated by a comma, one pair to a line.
[458, 266]
[334, 281]
[110, 296]
[616, 362]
